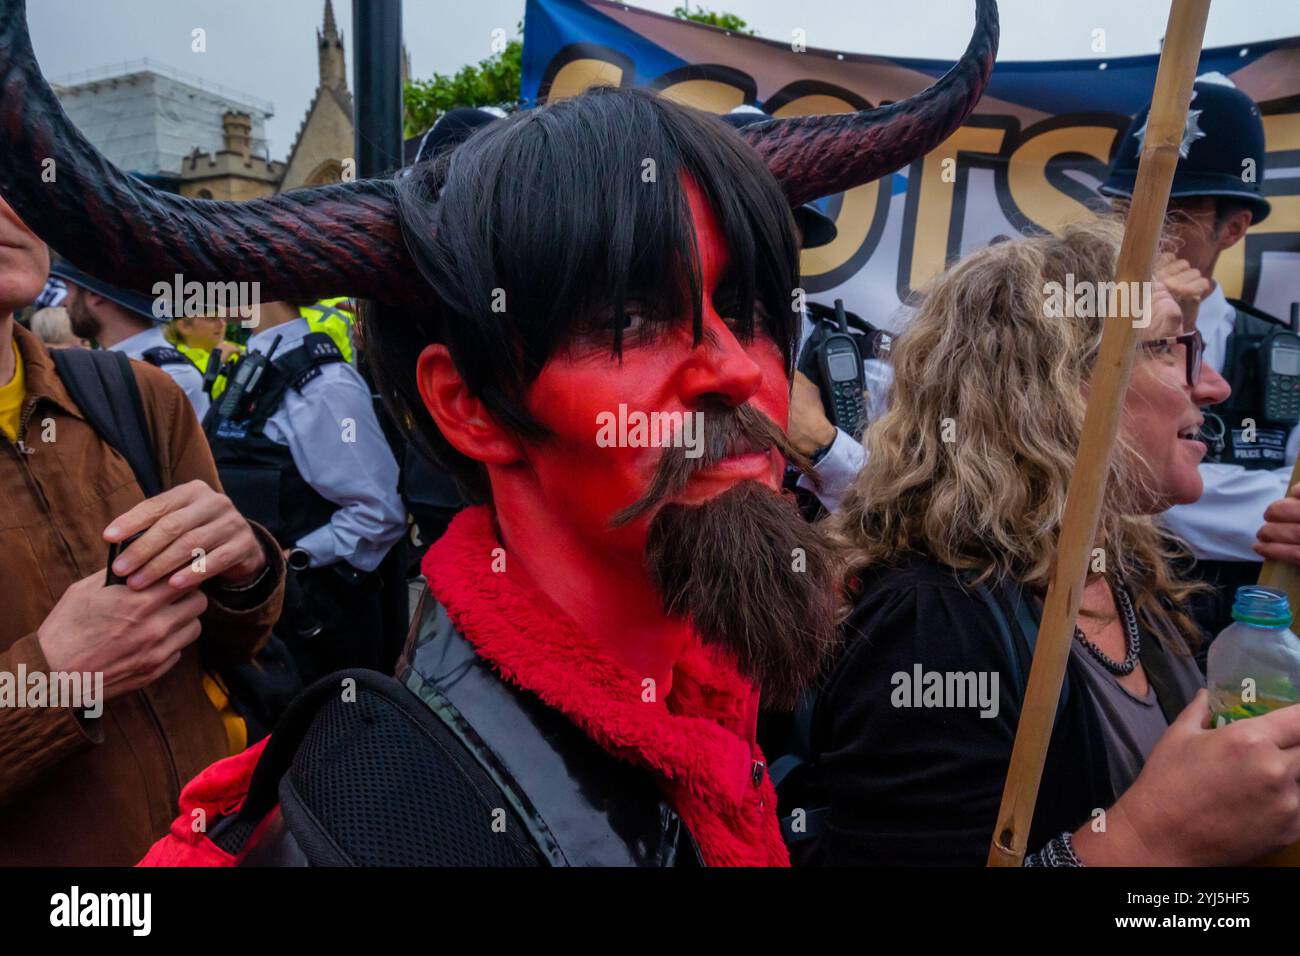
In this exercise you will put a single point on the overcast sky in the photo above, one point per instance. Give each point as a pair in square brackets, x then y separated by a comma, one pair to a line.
[267, 49]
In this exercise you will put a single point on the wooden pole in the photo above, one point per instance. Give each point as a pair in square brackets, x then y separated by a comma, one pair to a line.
[1168, 120]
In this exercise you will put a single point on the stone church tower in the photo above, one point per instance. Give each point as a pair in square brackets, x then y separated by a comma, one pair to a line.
[322, 151]
[333, 64]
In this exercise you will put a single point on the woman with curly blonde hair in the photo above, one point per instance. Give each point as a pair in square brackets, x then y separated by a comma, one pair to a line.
[949, 537]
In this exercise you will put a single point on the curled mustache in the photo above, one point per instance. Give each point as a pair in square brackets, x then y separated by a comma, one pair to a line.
[728, 431]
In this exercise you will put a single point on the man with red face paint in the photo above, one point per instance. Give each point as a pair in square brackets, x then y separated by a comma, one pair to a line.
[585, 312]
[638, 578]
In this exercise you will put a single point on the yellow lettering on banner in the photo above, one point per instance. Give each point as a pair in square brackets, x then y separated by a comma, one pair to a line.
[934, 207]
[1281, 134]
[857, 212]
[1032, 193]
[578, 75]
[712, 96]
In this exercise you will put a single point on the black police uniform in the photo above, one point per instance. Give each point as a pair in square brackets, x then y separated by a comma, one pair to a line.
[1248, 429]
[329, 612]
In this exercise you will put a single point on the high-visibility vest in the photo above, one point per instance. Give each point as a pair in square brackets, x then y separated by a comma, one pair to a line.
[200, 358]
[196, 355]
[332, 317]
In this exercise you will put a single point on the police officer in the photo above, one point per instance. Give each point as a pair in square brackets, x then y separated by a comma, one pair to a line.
[837, 456]
[198, 337]
[300, 450]
[1252, 437]
[125, 322]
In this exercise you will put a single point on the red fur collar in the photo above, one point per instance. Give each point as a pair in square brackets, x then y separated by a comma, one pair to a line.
[700, 746]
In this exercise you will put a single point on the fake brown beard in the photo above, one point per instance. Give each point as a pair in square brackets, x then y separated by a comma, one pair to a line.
[755, 579]
[752, 575]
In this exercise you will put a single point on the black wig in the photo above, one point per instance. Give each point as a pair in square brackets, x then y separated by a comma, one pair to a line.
[540, 228]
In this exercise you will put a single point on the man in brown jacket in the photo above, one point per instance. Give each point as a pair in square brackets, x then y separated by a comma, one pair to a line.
[78, 789]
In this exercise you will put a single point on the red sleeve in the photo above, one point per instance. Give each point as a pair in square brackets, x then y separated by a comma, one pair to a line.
[216, 792]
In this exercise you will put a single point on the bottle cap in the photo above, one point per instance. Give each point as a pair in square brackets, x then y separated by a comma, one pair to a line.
[1263, 607]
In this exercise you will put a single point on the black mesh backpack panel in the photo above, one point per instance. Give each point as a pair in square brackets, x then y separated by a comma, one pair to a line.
[381, 781]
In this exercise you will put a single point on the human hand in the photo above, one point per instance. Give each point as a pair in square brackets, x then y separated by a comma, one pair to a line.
[132, 637]
[809, 429]
[1187, 286]
[192, 534]
[1207, 797]
[1279, 537]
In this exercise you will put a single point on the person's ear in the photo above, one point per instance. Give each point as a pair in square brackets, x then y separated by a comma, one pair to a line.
[1235, 228]
[462, 417]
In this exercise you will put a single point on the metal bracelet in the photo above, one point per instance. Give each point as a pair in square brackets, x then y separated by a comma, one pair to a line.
[1057, 852]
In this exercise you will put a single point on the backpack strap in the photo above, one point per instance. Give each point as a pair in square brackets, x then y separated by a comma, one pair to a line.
[801, 756]
[264, 785]
[104, 387]
[580, 805]
[815, 818]
[1174, 687]
[1017, 624]
[299, 833]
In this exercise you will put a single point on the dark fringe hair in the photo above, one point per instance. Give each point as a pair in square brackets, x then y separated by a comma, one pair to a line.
[542, 227]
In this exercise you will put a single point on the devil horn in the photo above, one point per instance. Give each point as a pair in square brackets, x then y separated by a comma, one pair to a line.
[814, 156]
[329, 240]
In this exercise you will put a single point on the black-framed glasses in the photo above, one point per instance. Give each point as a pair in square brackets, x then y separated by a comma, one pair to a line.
[1193, 349]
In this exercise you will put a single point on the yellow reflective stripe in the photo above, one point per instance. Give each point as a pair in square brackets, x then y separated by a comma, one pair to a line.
[196, 355]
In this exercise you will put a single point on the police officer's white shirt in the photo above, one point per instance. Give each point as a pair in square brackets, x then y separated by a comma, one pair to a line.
[846, 456]
[1221, 526]
[185, 374]
[339, 449]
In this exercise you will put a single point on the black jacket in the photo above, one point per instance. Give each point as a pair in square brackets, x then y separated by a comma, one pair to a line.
[922, 785]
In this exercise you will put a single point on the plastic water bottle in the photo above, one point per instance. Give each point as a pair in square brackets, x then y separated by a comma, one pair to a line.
[1254, 664]
[1254, 667]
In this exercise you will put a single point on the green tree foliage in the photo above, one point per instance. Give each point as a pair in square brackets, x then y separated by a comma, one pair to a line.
[495, 81]
[725, 21]
[490, 82]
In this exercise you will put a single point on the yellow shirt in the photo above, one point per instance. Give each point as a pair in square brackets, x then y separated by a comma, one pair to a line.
[11, 398]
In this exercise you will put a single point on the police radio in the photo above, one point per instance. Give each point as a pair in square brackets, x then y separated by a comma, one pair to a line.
[832, 360]
[243, 384]
[1280, 373]
[213, 371]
